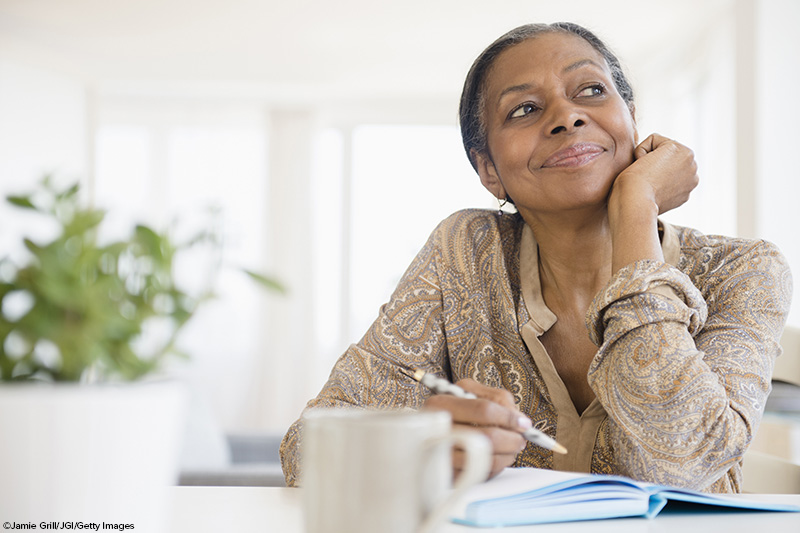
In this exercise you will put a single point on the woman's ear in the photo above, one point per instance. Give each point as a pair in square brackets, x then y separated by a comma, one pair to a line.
[488, 174]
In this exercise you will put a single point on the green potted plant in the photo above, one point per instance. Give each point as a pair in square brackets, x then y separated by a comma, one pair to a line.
[86, 432]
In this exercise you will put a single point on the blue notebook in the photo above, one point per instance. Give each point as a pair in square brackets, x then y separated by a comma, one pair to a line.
[524, 496]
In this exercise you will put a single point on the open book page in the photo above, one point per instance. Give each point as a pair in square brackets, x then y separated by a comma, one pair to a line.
[524, 496]
[534, 496]
[513, 481]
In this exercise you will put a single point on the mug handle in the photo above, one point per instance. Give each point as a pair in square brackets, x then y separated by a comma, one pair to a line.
[478, 452]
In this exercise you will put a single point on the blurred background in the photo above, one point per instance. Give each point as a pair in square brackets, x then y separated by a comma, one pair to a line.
[325, 133]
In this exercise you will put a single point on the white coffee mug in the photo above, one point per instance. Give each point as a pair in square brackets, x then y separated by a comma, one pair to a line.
[366, 471]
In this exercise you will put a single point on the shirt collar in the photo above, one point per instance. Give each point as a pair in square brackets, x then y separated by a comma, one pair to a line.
[541, 316]
[670, 243]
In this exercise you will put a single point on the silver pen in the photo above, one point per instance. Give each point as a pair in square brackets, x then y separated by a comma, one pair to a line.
[442, 386]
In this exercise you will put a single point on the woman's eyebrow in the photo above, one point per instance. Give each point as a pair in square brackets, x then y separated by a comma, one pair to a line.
[523, 87]
[580, 63]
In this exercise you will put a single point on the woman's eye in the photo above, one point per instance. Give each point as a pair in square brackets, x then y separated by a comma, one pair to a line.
[524, 109]
[593, 90]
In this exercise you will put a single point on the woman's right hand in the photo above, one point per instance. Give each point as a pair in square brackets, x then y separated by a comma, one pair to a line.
[494, 414]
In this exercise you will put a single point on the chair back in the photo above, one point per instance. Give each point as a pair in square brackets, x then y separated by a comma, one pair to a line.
[768, 474]
[787, 366]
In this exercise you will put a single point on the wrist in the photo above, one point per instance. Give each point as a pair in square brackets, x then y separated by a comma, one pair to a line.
[632, 203]
[633, 218]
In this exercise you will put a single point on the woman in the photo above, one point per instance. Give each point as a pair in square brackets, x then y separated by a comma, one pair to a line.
[668, 384]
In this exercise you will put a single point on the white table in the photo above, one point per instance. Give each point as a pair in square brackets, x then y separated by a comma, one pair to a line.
[279, 510]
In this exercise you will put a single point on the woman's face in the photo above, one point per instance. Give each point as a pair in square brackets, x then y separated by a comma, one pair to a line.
[558, 132]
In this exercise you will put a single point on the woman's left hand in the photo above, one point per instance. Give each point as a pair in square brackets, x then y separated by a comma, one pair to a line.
[661, 178]
[664, 172]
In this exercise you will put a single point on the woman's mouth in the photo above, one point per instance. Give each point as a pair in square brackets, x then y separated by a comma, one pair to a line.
[574, 156]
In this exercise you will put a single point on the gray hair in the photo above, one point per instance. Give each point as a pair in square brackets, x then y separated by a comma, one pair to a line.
[471, 107]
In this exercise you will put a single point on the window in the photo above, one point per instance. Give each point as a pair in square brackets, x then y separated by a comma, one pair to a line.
[379, 191]
[172, 173]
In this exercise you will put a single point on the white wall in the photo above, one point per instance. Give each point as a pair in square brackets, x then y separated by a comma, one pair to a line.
[43, 130]
[776, 135]
[685, 92]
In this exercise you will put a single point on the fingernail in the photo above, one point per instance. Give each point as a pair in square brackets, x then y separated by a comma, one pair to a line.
[524, 422]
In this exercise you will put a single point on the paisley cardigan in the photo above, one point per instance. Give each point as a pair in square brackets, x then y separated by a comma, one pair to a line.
[681, 375]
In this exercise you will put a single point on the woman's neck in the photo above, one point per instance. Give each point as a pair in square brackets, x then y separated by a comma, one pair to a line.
[574, 256]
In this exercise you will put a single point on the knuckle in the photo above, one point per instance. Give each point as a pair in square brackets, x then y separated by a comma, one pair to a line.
[505, 397]
[434, 401]
[504, 441]
[494, 434]
[512, 420]
[484, 409]
[500, 396]
[466, 382]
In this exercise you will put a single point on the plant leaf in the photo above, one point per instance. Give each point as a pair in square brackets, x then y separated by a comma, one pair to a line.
[266, 282]
[32, 246]
[21, 201]
[69, 193]
[151, 241]
[84, 220]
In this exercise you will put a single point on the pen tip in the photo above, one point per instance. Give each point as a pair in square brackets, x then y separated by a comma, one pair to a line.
[559, 449]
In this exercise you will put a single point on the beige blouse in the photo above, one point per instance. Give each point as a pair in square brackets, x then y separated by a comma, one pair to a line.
[686, 349]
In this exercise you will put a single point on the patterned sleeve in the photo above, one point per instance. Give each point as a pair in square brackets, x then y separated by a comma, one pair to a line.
[408, 330]
[684, 374]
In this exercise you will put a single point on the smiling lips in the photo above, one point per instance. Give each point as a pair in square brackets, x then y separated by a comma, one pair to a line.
[574, 156]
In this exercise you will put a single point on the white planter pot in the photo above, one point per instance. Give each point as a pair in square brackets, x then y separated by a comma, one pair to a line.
[89, 453]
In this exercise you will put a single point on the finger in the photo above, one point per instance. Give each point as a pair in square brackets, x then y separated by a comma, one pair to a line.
[502, 440]
[506, 445]
[652, 142]
[501, 396]
[505, 441]
[479, 412]
[501, 459]
[499, 462]
[644, 148]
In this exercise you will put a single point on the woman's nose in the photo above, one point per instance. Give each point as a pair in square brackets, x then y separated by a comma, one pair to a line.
[565, 118]
[565, 128]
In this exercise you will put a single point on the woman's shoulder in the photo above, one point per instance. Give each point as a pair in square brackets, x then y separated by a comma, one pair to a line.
[474, 223]
[702, 252]
[694, 241]
[475, 236]
[476, 217]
